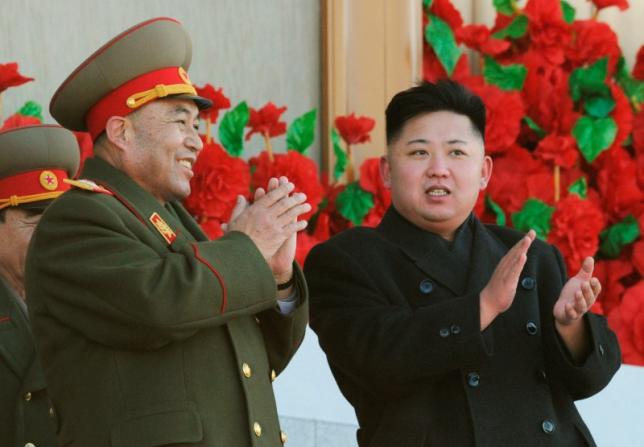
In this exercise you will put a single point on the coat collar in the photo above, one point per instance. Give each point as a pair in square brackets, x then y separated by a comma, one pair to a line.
[142, 204]
[420, 247]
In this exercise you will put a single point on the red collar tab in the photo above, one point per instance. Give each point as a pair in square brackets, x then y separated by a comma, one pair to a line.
[136, 92]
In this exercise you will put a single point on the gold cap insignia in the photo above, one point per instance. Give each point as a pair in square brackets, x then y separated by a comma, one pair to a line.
[183, 74]
[48, 180]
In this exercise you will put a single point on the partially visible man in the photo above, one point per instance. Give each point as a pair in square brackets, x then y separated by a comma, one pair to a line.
[35, 161]
[150, 334]
[442, 331]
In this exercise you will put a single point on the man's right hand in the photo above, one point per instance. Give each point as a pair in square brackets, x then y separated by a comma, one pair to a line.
[498, 294]
[271, 219]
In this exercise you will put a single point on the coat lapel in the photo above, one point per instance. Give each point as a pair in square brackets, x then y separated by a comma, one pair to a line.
[416, 245]
[141, 203]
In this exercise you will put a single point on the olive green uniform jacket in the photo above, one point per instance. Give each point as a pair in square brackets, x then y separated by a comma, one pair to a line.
[149, 339]
[24, 407]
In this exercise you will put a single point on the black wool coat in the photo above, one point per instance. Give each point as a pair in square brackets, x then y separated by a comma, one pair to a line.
[401, 331]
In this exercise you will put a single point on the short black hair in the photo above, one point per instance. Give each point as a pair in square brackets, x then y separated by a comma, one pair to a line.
[445, 95]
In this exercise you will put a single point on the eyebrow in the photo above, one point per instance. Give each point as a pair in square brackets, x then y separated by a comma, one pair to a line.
[424, 141]
[178, 110]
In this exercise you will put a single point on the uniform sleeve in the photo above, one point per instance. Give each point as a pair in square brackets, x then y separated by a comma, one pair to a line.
[87, 269]
[587, 378]
[384, 347]
[283, 334]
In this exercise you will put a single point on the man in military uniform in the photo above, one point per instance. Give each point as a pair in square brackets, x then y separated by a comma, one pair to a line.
[150, 334]
[442, 331]
[35, 161]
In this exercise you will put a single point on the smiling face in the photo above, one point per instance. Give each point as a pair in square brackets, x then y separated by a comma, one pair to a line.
[164, 147]
[435, 170]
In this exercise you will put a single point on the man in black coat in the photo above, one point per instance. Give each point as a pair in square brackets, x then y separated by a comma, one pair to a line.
[442, 331]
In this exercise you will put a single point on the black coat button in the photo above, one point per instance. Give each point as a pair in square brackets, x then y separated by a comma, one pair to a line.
[600, 348]
[455, 329]
[531, 328]
[528, 283]
[541, 374]
[548, 426]
[426, 286]
[473, 380]
[444, 332]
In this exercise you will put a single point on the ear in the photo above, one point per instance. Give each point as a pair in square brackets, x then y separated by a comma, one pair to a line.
[486, 172]
[118, 131]
[385, 171]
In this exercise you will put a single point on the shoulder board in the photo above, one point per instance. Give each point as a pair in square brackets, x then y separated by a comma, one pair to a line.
[88, 185]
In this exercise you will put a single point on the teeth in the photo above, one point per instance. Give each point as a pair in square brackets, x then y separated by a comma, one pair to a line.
[438, 192]
[185, 163]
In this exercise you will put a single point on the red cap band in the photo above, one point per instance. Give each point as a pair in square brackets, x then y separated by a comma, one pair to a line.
[115, 102]
[33, 182]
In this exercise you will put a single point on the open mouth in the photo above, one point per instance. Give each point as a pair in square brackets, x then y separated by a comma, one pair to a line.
[437, 191]
[186, 163]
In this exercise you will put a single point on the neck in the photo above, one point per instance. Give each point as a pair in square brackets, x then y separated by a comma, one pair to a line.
[14, 281]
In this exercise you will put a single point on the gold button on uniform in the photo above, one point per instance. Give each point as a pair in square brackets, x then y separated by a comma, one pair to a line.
[273, 375]
[29, 444]
[283, 437]
[27, 396]
[257, 429]
[51, 412]
[246, 370]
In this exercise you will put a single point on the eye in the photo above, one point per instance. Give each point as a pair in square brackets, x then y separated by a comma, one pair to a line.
[418, 152]
[457, 152]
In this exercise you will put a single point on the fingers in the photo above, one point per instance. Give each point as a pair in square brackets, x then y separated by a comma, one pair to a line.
[587, 267]
[596, 286]
[277, 194]
[240, 206]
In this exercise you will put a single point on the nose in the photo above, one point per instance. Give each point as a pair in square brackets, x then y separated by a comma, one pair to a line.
[193, 142]
[437, 166]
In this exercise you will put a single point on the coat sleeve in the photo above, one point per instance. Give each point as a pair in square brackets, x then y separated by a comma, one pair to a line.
[87, 269]
[583, 379]
[383, 347]
[283, 334]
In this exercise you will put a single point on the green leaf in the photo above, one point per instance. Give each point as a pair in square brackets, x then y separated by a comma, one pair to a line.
[354, 203]
[427, 4]
[594, 136]
[515, 30]
[441, 38]
[633, 88]
[340, 156]
[579, 187]
[31, 108]
[496, 209]
[231, 129]
[504, 7]
[506, 77]
[599, 106]
[534, 215]
[301, 132]
[615, 238]
[589, 81]
[568, 11]
[534, 126]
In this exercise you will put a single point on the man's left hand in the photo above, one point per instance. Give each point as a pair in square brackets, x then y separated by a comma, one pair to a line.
[577, 295]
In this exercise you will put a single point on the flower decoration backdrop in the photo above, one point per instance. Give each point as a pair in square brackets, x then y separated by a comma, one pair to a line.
[565, 128]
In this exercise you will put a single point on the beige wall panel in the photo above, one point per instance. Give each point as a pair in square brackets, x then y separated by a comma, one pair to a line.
[256, 50]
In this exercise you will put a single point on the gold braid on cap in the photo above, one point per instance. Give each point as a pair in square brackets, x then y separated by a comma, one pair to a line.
[159, 91]
[19, 200]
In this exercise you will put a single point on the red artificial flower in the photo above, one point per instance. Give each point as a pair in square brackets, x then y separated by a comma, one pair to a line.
[18, 120]
[504, 111]
[549, 33]
[218, 179]
[601, 4]
[299, 169]
[617, 182]
[638, 256]
[627, 320]
[638, 132]
[212, 228]
[445, 10]
[622, 114]
[610, 274]
[434, 71]
[266, 121]
[9, 76]
[354, 130]
[371, 181]
[478, 37]
[507, 185]
[86, 146]
[560, 149]
[592, 41]
[219, 102]
[576, 224]
[638, 69]
[547, 97]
